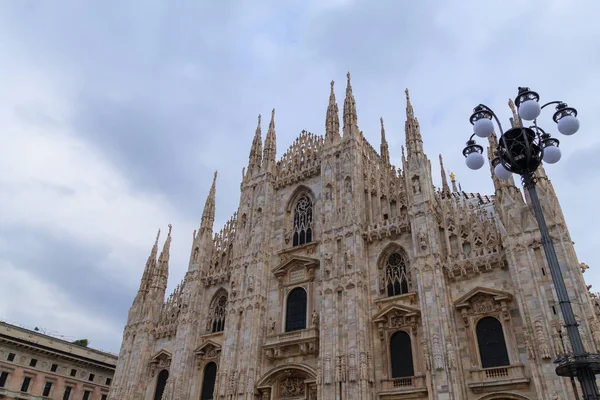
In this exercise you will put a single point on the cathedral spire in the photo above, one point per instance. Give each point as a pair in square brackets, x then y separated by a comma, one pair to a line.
[270, 151]
[332, 119]
[385, 152]
[150, 265]
[208, 215]
[445, 187]
[255, 159]
[163, 262]
[350, 117]
[414, 141]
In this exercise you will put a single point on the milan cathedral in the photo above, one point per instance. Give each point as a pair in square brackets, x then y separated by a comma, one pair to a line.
[342, 276]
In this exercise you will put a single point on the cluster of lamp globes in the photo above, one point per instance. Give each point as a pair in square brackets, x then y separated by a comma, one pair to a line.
[529, 110]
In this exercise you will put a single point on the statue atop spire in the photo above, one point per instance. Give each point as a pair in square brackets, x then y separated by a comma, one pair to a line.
[385, 152]
[332, 119]
[445, 187]
[453, 180]
[414, 141]
[350, 116]
[270, 152]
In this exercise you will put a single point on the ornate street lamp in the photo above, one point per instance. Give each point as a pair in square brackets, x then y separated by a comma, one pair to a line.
[521, 151]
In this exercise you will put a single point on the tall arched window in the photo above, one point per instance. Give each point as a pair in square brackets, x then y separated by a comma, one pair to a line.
[161, 382]
[208, 382]
[492, 347]
[216, 314]
[303, 221]
[295, 314]
[401, 355]
[396, 278]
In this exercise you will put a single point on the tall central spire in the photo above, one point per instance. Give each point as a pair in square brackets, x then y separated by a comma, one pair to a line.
[414, 141]
[384, 150]
[350, 117]
[332, 119]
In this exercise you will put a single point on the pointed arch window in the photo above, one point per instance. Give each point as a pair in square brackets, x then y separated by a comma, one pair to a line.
[208, 382]
[303, 220]
[401, 355]
[217, 313]
[492, 346]
[295, 314]
[161, 383]
[396, 277]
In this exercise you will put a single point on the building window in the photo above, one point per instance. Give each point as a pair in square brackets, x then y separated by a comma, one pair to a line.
[108, 381]
[295, 314]
[396, 277]
[208, 382]
[86, 395]
[47, 389]
[492, 347]
[3, 378]
[25, 385]
[91, 378]
[67, 393]
[217, 313]
[161, 382]
[33, 362]
[53, 368]
[11, 357]
[401, 355]
[303, 221]
[73, 372]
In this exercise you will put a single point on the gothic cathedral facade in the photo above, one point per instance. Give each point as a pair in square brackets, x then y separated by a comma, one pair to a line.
[342, 276]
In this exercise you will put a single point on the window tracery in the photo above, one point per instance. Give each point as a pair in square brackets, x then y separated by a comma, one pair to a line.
[396, 278]
[217, 313]
[303, 220]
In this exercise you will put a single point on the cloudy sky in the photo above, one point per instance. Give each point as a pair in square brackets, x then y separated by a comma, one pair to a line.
[114, 115]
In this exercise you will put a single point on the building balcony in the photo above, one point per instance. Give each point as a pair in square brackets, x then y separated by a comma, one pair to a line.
[290, 344]
[409, 387]
[509, 376]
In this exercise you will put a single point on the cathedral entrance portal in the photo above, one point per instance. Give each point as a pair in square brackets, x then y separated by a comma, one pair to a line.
[288, 382]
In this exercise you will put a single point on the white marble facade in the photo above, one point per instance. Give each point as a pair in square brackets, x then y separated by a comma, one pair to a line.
[373, 257]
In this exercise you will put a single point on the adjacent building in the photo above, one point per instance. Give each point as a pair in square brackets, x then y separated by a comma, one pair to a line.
[38, 366]
[342, 276]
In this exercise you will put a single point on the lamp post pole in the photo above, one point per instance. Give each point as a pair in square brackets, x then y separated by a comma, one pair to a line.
[521, 151]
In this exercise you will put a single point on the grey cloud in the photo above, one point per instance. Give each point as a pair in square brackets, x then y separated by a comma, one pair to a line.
[73, 267]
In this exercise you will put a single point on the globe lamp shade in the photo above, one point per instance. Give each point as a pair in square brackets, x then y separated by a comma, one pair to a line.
[475, 160]
[501, 172]
[529, 110]
[568, 125]
[551, 155]
[483, 127]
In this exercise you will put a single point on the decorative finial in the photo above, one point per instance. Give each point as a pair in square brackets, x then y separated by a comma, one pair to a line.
[215, 176]
[407, 95]
[452, 176]
[170, 227]
[259, 118]
[348, 76]
[157, 236]
[332, 83]
[272, 114]
[381, 120]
